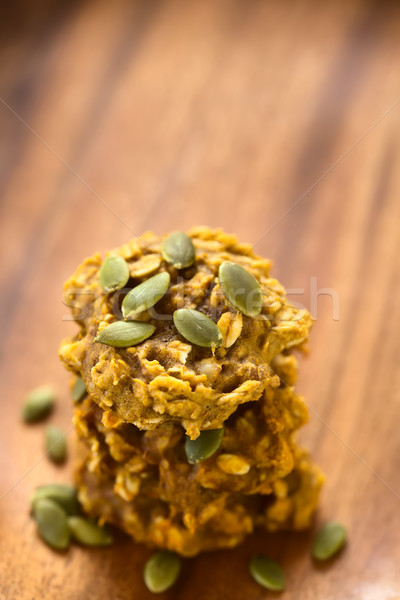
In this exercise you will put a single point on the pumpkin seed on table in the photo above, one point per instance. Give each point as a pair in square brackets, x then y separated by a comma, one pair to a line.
[204, 446]
[52, 523]
[56, 444]
[145, 295]
[161, 571]
[197, 328]
[114, 273]
[241, 288]
[65, 496]
[38, 404]
[329, 540]
[88, 533]
[79, 390]
[267, 573]
[178, 250]
[122, 334]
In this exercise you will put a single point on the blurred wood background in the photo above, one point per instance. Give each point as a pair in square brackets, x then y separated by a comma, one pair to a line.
[275, 120]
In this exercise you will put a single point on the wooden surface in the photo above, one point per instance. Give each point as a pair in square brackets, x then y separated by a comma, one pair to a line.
[275, 120]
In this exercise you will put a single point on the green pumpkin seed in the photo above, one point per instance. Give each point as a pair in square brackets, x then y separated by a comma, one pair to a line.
[114, 273]
[56, 444]
[178, 250]
[241, 288]
[79, 390]
[145, 295]
[267, 573]
[204, 446]
[329, 540]
[88, 533]
[38, 404]
[52, 523]
[65, 496]
[122, 334]
[161, 571]
[197, 328]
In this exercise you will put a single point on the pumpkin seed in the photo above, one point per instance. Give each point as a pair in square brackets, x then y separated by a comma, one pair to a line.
[79, 390]
[88, 532]
[329, 540]
[38, 404]
[145, 295]
[114, 273]
[241, 288]
[204, 446]
[56, 444]
[65, 496]
[52, 523]
[267, 573]
[178, 250]
[161, 571]
[197, 328]
[122, 334]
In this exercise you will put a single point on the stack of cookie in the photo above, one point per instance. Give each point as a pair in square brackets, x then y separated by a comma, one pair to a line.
[188, 413]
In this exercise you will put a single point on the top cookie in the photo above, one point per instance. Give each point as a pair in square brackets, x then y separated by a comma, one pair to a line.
[167, 377]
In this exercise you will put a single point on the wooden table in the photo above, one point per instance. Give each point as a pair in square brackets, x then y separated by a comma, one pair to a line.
[275, 120]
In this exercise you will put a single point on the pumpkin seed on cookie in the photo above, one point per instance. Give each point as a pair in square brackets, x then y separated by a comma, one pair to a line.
[241, 288]
[204, 446]
[197, 328]
[145, 295]
[79, 390]
[114, 273]
[178, 250]
[123, 334]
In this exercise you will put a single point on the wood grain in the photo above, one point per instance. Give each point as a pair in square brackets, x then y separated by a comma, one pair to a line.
[275, 120]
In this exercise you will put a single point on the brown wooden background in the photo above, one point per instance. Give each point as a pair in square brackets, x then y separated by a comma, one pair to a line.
[117, 117]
